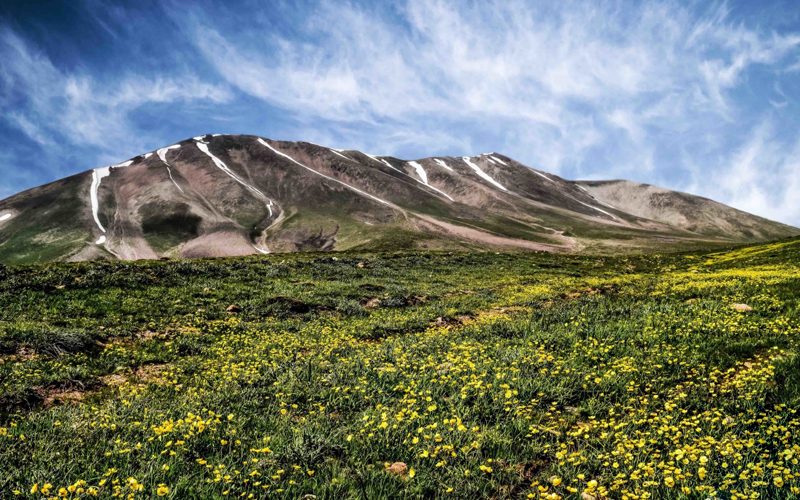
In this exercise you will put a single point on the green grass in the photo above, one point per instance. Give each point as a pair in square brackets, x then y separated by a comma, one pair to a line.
[490, 375]
[22, 248]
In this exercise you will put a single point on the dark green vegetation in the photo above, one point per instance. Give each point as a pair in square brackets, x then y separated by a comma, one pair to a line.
[166, 227]
[488, 375]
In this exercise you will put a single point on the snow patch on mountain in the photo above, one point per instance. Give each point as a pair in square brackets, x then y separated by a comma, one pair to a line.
[98, 175]
[595, 198]
[148, 155]
[261, 250]
[383, 160]
[595, 208]
[542, 175]
[162, 153]
[443, 164]
[420, 171]
[375, 158]
[390, 165]
[498, 159]
[337, 152]
[579, 201]
[5, 217]
[482, 174]
[202, 146]
[262, 141]
[101, 240]
[424, 178]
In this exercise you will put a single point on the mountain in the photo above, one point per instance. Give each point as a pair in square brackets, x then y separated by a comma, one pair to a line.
[682, 210]
[226, 195]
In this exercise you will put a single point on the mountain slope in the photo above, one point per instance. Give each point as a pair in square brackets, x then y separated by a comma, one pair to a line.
[692, 213]
[222, 195]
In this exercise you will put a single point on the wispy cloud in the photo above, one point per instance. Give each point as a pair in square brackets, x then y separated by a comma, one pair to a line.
[763, 174]
[661, 91]
[60, 109]
[582, 89]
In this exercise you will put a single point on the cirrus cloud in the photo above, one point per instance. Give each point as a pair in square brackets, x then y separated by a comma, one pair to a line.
[694, 96]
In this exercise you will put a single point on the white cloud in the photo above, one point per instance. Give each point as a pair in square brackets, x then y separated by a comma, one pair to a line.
[645, 91]
[30, 129]
[53, 106]
[660, 91]
[505, 58]
[584, 89]
[779, 105]
[762, 176]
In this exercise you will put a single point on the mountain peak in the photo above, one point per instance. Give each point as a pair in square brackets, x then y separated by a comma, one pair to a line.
[221, 195]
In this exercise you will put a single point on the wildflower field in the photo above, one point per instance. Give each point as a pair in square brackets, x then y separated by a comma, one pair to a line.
[404, 375]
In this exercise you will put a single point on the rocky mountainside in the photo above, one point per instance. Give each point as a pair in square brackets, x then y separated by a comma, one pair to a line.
[682, 210]
[226, 195]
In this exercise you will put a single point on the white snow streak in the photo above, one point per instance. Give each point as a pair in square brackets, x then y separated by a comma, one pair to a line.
[481, 173]
[498, 159]
[492, 160]
[221, 165]
[97, 177]
[595, 208]
[604, 203]
[424, 176]
[542, 175]
[582, 203]
[261, 250]
[322, 175]
[101, 240]
[148, 155]
[383, 161]
[417, 167]
[162, 153]
[198, 138]
[390, 165]
[5, 217]
[420, 171]
[443, 164]
[595, 199]
[336, 152]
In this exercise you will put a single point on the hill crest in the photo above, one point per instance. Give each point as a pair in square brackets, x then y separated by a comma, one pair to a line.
[225, 195]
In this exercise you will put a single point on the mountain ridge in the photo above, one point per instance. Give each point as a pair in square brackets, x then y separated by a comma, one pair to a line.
[226, 195]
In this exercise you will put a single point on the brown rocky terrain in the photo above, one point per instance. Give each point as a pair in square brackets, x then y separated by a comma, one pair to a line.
[223, 195]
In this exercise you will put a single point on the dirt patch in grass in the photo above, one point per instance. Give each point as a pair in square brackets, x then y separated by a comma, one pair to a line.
[151, 373]
[289, 304]
[447, 322]
[70, 392]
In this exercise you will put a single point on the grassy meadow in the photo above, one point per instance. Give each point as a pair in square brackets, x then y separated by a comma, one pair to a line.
[403, 376]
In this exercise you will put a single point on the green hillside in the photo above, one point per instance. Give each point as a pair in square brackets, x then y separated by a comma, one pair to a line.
[412, 374]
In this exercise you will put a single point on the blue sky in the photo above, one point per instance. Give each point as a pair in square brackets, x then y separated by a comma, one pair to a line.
[696, 96]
